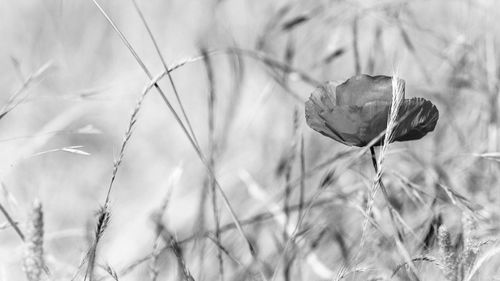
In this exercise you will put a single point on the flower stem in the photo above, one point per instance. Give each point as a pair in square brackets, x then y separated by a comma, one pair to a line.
[374, 161]
[398, 233]
[386, 194]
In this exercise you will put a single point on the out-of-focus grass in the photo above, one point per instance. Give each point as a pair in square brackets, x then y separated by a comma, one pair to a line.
[447, 51]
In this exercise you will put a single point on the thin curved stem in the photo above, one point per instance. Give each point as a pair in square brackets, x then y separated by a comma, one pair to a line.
[392, 211]
[384, 191]
[374, 159]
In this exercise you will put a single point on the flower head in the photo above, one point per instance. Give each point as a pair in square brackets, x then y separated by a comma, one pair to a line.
[356, 111]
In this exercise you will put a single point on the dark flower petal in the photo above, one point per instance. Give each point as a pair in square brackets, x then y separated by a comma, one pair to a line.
[344, 119]
[418, 117]
[374, 115]
[321, 100]
[316, 122]
[324, 96]
[361, 89]
[338, 123]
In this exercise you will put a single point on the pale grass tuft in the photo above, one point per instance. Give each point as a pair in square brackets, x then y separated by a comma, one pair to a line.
[33, 253]
[448, 255]
[471, 245]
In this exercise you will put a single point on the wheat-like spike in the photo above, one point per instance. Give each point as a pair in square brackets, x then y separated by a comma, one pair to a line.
[154, 270]
[103, 217]
[112, 273]
[448, 254]
[33, 263]
[471, 245]
[398, 94]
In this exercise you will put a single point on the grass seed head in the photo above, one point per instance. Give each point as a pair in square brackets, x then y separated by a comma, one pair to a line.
[447, 254]
[33, 262]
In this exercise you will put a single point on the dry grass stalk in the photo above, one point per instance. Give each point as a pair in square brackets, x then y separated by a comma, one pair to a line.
[212, 155]
[355, 45]
[290, 157]
[170, 240]
[17, 97]
[171, 80]
[191, 138]
[471, 245]
[154, 271]
[103, 217]
[258, 218]
[104, 212]
[190, 135]
[277, 213]
[111, 272]
[302, 176]
[417, 259]
[448, 254]
[157, 217]
[33, 261]
[234, 102]
[11, 221]
[376, 50]
[126, 139]
[411, 47]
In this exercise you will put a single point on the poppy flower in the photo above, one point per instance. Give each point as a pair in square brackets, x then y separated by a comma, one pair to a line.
[356, 111]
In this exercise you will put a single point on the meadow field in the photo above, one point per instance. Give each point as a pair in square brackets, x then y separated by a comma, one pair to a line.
[167, 140]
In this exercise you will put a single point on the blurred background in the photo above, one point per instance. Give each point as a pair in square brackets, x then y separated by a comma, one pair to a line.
[68, 86]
